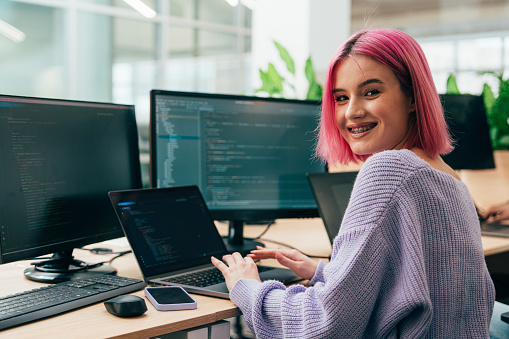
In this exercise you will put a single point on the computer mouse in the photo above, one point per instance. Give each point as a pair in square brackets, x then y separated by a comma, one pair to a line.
[126, 306]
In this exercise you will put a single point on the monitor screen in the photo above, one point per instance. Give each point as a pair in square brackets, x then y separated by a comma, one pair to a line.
[466, 118]
[248, 155]
[58, 161]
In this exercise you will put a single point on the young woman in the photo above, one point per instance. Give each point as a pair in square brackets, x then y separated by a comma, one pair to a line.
[408, 261]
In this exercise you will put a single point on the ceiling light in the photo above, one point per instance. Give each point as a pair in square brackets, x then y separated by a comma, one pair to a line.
[233, 3]
[251, 4]
[141, 7]
[11, 32]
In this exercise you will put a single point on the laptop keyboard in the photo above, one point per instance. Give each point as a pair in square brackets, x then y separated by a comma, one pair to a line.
[204, 278]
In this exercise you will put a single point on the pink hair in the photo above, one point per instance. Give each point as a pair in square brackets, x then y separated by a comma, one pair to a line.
[403, 55]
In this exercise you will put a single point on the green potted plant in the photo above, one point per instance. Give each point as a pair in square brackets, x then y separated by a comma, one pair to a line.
[274, 84]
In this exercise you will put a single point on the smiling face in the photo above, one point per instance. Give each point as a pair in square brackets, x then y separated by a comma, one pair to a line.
[372, 111]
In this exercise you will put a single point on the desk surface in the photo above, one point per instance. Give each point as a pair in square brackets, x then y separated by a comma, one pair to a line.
[94, 321]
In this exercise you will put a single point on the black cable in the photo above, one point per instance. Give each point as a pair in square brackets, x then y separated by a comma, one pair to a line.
[119, 254]
[271, 222]
[102, 250]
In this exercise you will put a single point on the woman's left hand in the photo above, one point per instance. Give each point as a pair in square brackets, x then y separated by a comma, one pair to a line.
[236, 268]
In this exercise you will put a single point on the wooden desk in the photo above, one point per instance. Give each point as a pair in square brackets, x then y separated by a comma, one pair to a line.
[490, 187]
[308, 235]
[95, 322]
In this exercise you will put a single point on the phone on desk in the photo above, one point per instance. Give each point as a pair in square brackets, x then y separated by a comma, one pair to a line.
[170, 298]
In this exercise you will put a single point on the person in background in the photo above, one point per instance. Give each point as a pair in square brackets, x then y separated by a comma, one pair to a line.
[408, 260]
[497, 213]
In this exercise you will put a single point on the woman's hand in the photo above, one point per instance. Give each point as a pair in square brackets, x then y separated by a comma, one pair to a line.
[293, 259]
[236, 268]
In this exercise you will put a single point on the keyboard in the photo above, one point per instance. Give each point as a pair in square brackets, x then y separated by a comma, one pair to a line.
[50, 300]
[204, 278]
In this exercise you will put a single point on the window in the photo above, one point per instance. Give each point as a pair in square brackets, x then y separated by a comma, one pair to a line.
[104, 50]
[467, 57]
[32, 58]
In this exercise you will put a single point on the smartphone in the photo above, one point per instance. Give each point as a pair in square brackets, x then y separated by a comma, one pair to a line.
[170, 298]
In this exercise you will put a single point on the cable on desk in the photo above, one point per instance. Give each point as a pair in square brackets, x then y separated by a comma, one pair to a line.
[119, 254]
[101, 250]
[270, 223]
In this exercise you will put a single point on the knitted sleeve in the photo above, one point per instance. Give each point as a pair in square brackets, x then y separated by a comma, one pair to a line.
[359, 278]
[318, 276]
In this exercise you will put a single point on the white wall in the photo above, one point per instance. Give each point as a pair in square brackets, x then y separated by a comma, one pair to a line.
[305, 28]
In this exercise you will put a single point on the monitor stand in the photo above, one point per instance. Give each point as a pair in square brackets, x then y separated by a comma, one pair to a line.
[235, 241]
[63, 267]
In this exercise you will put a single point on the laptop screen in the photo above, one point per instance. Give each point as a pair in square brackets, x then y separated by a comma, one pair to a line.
[332, 193]
[168, 229]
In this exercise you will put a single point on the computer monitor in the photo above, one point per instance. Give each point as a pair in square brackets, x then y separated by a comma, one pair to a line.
[466, 118]
[248, 155]
[58, 160]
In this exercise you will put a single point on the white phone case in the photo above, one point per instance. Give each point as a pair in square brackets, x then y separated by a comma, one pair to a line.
[169, 298]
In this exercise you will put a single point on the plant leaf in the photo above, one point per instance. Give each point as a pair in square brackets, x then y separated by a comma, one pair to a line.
[315, 92]
[503, 142]
[494, 137]
[309, 71]
[499, 116]
[272, 82]
[489, 99]
[452, 86]
[285, 56]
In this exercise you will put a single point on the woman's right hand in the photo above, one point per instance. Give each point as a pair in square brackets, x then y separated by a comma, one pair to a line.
[302, 265]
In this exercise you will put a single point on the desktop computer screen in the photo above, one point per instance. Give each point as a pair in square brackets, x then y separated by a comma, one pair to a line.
[466, 118]
[58, 161]
[248, 155]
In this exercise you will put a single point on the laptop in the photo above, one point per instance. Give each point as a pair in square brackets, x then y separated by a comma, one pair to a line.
[173, 236]
[332, 193]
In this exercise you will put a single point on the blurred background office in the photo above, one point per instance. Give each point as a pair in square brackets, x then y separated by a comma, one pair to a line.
[118, 50]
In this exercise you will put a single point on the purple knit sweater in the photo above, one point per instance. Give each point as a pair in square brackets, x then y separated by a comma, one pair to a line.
[407, 263]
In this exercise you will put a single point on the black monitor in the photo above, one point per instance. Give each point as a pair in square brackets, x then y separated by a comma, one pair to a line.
[466, 117]
[58, 160]
[248, 155]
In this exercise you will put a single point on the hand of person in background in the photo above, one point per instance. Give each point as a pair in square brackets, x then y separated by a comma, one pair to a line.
[302, 265]
[497, 213]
